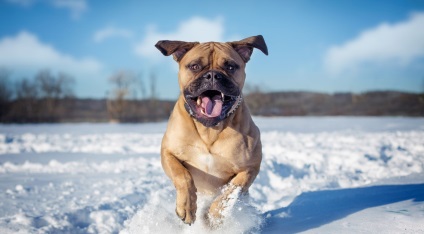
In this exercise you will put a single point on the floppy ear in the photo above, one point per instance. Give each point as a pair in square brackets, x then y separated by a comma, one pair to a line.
[177, 48]
[245, 46]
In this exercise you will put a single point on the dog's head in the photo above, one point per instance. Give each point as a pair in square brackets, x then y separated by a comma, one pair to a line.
[212, 74]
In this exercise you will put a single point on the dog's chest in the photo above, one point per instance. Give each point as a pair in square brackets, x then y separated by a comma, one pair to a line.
[209, 171]
[210, 164]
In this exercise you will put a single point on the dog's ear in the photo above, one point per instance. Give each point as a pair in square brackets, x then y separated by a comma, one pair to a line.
[177, 48]
[245, 47]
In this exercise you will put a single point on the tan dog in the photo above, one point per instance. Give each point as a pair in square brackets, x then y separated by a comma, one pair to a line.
[211, 142]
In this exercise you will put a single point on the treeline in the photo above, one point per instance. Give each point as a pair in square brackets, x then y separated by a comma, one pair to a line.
[122, 104]
[49, 98]
[375, 103]
[35, 100]
[133, 111]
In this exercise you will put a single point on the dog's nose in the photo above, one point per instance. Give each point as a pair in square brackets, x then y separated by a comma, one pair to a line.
[213, 74]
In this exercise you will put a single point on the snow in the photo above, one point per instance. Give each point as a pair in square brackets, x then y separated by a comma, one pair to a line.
[318, 175]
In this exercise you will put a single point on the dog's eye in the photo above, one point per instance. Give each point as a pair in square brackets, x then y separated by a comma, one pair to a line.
[194, 67]
[230, 67]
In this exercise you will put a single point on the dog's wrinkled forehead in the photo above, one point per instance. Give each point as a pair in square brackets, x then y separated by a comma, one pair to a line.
[211, 53]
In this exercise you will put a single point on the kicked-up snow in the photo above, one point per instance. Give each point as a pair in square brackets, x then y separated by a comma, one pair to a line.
[318, 175]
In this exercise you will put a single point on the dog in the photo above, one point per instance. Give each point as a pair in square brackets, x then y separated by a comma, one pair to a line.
[211, 144]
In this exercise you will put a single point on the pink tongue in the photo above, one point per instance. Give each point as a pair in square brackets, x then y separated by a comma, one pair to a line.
[212, 108]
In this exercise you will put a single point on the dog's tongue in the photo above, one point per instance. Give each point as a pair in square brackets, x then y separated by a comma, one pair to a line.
[212, 108]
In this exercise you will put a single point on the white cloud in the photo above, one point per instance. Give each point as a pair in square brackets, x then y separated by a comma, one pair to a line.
[194, 29]
[109, 32]
[387, 44]
[25, 52]
[77, 7]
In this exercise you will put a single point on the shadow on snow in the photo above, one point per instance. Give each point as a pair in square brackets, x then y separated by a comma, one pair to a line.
[313, 209]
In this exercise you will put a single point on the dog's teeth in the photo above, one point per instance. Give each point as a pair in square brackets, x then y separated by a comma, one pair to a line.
[199, 101]
[222, 95]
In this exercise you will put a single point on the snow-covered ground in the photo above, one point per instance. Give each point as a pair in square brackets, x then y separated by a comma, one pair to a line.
[318, 175]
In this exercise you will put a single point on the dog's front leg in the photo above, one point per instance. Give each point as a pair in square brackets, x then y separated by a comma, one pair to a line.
[184, 184]
[238, 185]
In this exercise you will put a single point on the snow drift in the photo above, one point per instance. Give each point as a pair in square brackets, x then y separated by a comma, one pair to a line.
[317, 175]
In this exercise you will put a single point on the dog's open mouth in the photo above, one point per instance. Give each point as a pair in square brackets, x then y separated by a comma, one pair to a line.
[210, 103]
[212, 106]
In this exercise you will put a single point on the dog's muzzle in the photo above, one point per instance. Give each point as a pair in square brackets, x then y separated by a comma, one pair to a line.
[211, 98]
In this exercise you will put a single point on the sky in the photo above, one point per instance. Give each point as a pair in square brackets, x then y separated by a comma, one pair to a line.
[323, 46]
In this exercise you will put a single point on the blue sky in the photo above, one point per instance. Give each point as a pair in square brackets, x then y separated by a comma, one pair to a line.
[325, 46]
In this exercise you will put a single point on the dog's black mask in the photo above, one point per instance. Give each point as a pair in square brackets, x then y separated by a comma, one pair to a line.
[211, 98]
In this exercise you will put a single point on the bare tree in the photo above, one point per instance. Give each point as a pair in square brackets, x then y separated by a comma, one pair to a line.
[26, 107]
[54, 87]
[5, 89]
[26, 89]
[51, 90]
[5, 92]
[141, 86]
[118, 98]
[153, 94]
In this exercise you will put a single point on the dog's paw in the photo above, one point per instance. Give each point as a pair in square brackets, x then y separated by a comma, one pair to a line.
[186, 206]
[222, 206]
[214, 216]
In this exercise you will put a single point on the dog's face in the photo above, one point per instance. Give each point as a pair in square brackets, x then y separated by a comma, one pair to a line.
[212, 75]
[211, 78]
